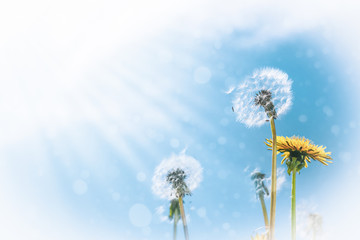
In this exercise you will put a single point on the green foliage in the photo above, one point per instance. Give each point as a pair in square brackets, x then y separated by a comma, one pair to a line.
[295, 161]
[174, 212]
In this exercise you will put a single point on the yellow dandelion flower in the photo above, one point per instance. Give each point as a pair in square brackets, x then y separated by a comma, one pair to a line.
[300, 148]
[297, 152]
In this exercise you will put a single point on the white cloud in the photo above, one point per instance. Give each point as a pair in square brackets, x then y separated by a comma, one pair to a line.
[160, 212]
[49, 49]
[280, 180]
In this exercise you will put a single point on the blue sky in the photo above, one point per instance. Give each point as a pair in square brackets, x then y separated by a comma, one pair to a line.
[95, 96]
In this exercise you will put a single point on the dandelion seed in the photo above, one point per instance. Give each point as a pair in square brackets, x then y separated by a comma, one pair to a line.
[314, 225]
[267, 89]
[263, 98]
[230, 90]
[177, 180]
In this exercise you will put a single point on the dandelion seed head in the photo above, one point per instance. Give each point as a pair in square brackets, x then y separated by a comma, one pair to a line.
[183, 165]
[315, 222]
[259, 181]
[309, 222]
[177, 180]
[267, 88]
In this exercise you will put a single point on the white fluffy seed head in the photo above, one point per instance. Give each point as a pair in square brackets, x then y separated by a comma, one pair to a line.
[192, 168]
[271, 79]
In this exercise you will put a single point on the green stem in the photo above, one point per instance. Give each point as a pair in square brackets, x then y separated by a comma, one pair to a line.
[175, 222]
[182, 212]
[293, 205]
[273, 181]
[266, 219]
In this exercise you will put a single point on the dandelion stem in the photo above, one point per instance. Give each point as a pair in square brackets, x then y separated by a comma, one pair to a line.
[314, 235]
[175, 223]
[182, 212]
[273, 181]
[266, 219]
[293, 205]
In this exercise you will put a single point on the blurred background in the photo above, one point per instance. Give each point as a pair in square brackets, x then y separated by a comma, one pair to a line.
[95, 94]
